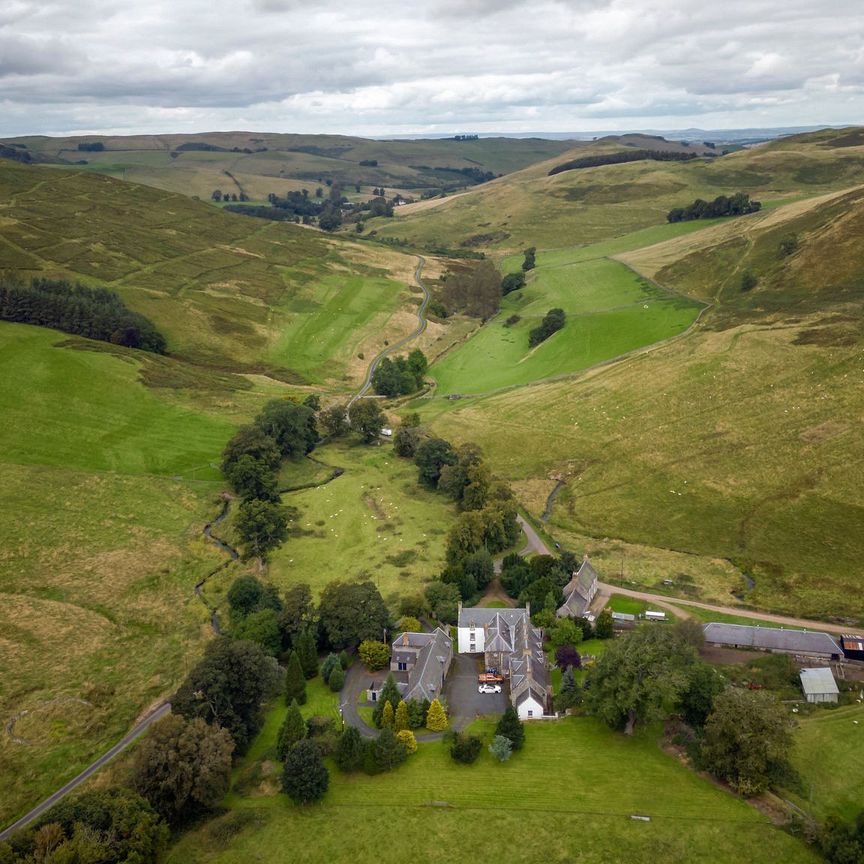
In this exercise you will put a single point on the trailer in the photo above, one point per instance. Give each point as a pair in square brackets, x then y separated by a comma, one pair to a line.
[489, 678]
[655, 616]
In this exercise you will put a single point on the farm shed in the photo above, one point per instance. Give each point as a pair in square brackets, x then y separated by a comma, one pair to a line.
[819, 685]
[804, 643]
[853, 646]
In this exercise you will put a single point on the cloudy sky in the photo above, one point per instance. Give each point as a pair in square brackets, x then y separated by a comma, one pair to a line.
[376, 67]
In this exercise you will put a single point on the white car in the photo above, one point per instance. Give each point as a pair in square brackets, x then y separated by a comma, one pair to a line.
[489, 688]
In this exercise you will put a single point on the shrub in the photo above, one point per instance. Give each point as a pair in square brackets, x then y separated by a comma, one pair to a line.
[375, 655]
[337, 679]
[409, 625]
[436, 718]
[465, 748]
[406, 736]
[317, 725]
[329, 664]
[552, 322]
[349, 751]
[512, 319]
[501, 748]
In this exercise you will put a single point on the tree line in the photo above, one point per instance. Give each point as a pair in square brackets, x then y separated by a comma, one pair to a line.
[74, 308]
[620, 157]
[738, 204]
[401, 375]
[552, 322]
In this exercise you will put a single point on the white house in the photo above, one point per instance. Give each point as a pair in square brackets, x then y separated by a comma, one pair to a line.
[513, 646]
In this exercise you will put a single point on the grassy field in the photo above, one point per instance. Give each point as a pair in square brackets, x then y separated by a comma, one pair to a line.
[610, 311]
[101, 548]
[229, 292]
[829, 756]
[575, 770]
[374, 521]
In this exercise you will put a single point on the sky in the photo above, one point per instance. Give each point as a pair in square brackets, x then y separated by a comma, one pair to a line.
[376, 67]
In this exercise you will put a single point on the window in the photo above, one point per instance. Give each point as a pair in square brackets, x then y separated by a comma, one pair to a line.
[403, 666]
[530, 713]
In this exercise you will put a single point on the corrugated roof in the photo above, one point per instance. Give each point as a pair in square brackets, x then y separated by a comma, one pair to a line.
[818, 682]
[807, 641]
[852, 643]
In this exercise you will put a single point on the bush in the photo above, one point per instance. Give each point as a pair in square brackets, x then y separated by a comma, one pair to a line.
[512, 282]
[436, 717]
[375, 655]
[552, 322]
[318, 725]
[410, 625]
[465, 748]
[330, 663]
[512, 319]
[406, 736]
[501, 748]
[748, 281]
[337, 679]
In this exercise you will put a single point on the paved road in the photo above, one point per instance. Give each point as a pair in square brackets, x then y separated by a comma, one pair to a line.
[534, 543]
[159, 712]
[421, 326]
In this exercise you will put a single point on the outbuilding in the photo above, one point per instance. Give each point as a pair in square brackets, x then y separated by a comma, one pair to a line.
[853, 646]
[819, 685]
[801, 643]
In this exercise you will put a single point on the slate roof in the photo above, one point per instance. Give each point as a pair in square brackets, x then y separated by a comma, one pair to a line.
[577, 592]
[480, 616]
[772, 638]
[818, 682]
[426, 679]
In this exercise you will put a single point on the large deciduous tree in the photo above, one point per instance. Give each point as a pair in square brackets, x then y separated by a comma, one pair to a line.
[367, 419]
[748, 738]
[183, 767]
[290, 425]
[262, 527]
[639, 677]
[351, 612]
[431, 456]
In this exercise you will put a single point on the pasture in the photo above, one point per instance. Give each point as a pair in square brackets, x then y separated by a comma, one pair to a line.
[573, 771]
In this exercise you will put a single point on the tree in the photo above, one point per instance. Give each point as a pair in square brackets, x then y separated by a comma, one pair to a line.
[389, 693]
[349, 750]
[480, 567]
[183, 767]
[566, 632]
[107, 825]
[529, 262]
[400, 720]
[512, 282]
[389, 750]
[262, 526]
[367, 419]
[406, 441]
[566, 657]
[374, 654]
[501, 748]
[436, 717]
[604, 625]
[748, 281]
[465, 748]
[431, 456]
[334, 421]
[788, 245]
[510, 726]
[252, 478]
[253, 442]
[351, 612]
[387, 715]
[290, 425]
[336, 681]
[748, 738]
[842, 842]
[248, 594]
[443, 601]
[330, 663]
[639, 677]
[407, 739]
[704, 684]
[552, 322]
[409, 624]
[261, 627]
[307, 653]
[304, 777]
[298, 611]
[570, 693]
[295, 680]
[292, 730]
[227, 687]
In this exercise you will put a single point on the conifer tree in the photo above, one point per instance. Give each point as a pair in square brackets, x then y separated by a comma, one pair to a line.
[306, 650]
[389, 693]
[436, 719]
[406, 736]
[400, 720]
[510, 726]
[349, 751]
[387, 716]
[329, 664]
[389, 750]
[295, 681]
[292, 730]
[336, 679]
[304, 778]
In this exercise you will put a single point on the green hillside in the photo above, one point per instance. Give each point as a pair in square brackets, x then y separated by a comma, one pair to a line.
[579, 207]
[281, 162]
[234, 293]
[735, 442]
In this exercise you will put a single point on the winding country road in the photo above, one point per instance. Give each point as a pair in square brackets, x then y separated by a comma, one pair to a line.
[421, 326]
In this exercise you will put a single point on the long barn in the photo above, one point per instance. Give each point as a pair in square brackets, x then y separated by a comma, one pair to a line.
[802, 643]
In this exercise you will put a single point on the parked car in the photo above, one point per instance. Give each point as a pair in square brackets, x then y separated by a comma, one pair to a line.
[489, 688]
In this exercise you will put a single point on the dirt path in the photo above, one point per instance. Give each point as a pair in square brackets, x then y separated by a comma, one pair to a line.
[421, 326]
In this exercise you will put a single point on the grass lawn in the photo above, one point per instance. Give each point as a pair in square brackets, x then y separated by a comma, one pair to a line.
[571, 770]
[610, 311]
[374, 520]
[829, 756]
